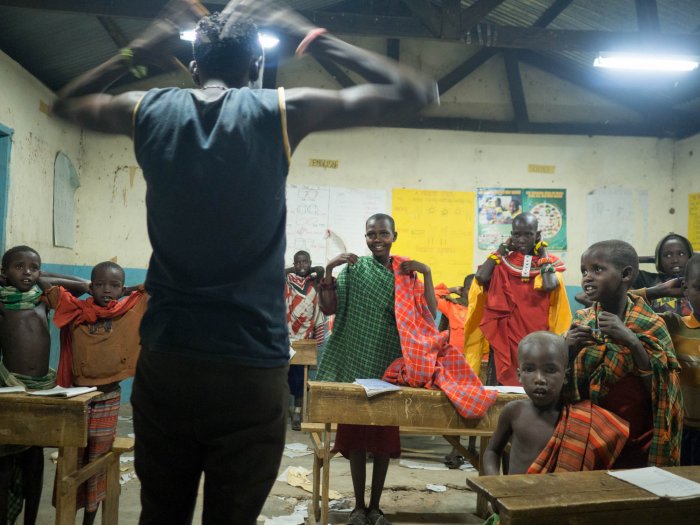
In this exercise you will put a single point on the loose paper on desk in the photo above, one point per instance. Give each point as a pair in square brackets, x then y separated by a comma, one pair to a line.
[506, 389]
[292, 353]
[12, 389]
[374, 387]
[659, 482]
[59, 391]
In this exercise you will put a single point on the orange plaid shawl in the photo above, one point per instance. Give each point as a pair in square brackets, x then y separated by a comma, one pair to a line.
[429, 361]
[586, 437]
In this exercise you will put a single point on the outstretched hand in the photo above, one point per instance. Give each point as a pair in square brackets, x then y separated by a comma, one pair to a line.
[157, 44]
[670, 288]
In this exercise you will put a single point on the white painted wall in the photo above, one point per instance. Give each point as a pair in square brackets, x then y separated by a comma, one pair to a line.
[36, 141]
[110, 201]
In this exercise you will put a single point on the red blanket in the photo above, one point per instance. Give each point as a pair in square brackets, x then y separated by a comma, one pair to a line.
[586, 437]
[71, 311]
[429, 361]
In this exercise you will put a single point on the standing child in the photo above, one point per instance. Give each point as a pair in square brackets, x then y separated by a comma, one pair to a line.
[624, 359]
[365, 340]
[304, 320]
[100, 345]
[547, 434]
[518, 290]
[24, 352]
[685, 333]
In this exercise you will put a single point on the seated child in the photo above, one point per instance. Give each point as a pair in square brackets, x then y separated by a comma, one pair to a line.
[24, 361]
[547, 434]
[100, 344]
[623, 357]
[685, 333]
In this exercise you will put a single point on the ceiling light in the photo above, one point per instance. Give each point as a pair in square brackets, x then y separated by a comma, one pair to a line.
[267, 41]
[639, 62]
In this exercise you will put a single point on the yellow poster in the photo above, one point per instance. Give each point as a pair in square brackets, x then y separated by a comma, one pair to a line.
[694, 219]
[436, 228]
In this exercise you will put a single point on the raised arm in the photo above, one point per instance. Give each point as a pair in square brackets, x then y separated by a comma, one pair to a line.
[485, 271]
[429, 291]
[83, 100]
[74, 285]
[327, 297]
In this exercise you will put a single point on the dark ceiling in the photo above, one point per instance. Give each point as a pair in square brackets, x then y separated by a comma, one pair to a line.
[56, 40]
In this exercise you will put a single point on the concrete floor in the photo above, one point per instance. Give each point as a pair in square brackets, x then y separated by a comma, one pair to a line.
[406, 501]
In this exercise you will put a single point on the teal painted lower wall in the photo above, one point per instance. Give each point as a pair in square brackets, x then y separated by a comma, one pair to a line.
[133, 276]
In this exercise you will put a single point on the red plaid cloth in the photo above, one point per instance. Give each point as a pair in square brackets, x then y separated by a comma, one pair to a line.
[429, 361]
[586, 437]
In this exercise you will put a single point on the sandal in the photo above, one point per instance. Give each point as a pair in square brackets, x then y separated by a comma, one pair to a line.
[358, 517]
[454, 461]
[376, 517]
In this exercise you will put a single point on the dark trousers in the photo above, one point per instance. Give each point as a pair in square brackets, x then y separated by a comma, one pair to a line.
[295, 378]
[194, 416]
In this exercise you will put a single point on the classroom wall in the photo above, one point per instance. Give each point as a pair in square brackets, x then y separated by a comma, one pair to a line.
[110, 210]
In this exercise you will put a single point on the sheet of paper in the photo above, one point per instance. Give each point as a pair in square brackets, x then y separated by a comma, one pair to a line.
[376, 386]
[659, 482]
[421, 465]
[506, 389]
[59, 391]
[292, 353]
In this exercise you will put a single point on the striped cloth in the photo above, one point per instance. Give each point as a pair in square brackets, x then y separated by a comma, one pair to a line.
[429, 361]
[598, 367]
[103, 414]
[12, 299]
[364, 339]
[586, 437]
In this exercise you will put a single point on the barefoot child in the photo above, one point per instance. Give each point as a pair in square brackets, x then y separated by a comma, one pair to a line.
[520, 290]
[100, 344]
[365, 340]
[623, 357]
[24, 352]
[546, 434]
[304, 320]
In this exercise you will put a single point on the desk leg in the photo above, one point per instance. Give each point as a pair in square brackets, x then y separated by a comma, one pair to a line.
[66, 496]
[305, 394]
[110, 505]
[481, 501]
[318, 464]
[326, 473]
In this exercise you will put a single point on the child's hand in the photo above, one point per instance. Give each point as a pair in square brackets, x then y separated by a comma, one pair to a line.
[670, 288]
[506, 246]
[414, 266]
[612, 326]
[579, 336]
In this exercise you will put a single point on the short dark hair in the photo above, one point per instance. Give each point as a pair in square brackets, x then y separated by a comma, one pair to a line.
[692, 268]
[619, 253]
[525, 218]
[226, 53]
[536, 337]
[9, 254]
[107, 264]
[382, 217]
[302, 252]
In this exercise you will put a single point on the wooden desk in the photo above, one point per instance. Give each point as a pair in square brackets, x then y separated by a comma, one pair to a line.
[417, 410]
[306, 356]
[584, 498]
[63, 423]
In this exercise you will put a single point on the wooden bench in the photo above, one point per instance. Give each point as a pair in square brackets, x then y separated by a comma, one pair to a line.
[415, 411]
[583, 498]
[306, 355]
[63, 423]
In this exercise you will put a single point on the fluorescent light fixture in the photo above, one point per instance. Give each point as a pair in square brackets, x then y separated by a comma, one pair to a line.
[188, 35]
[641, 62]
[267, 41]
